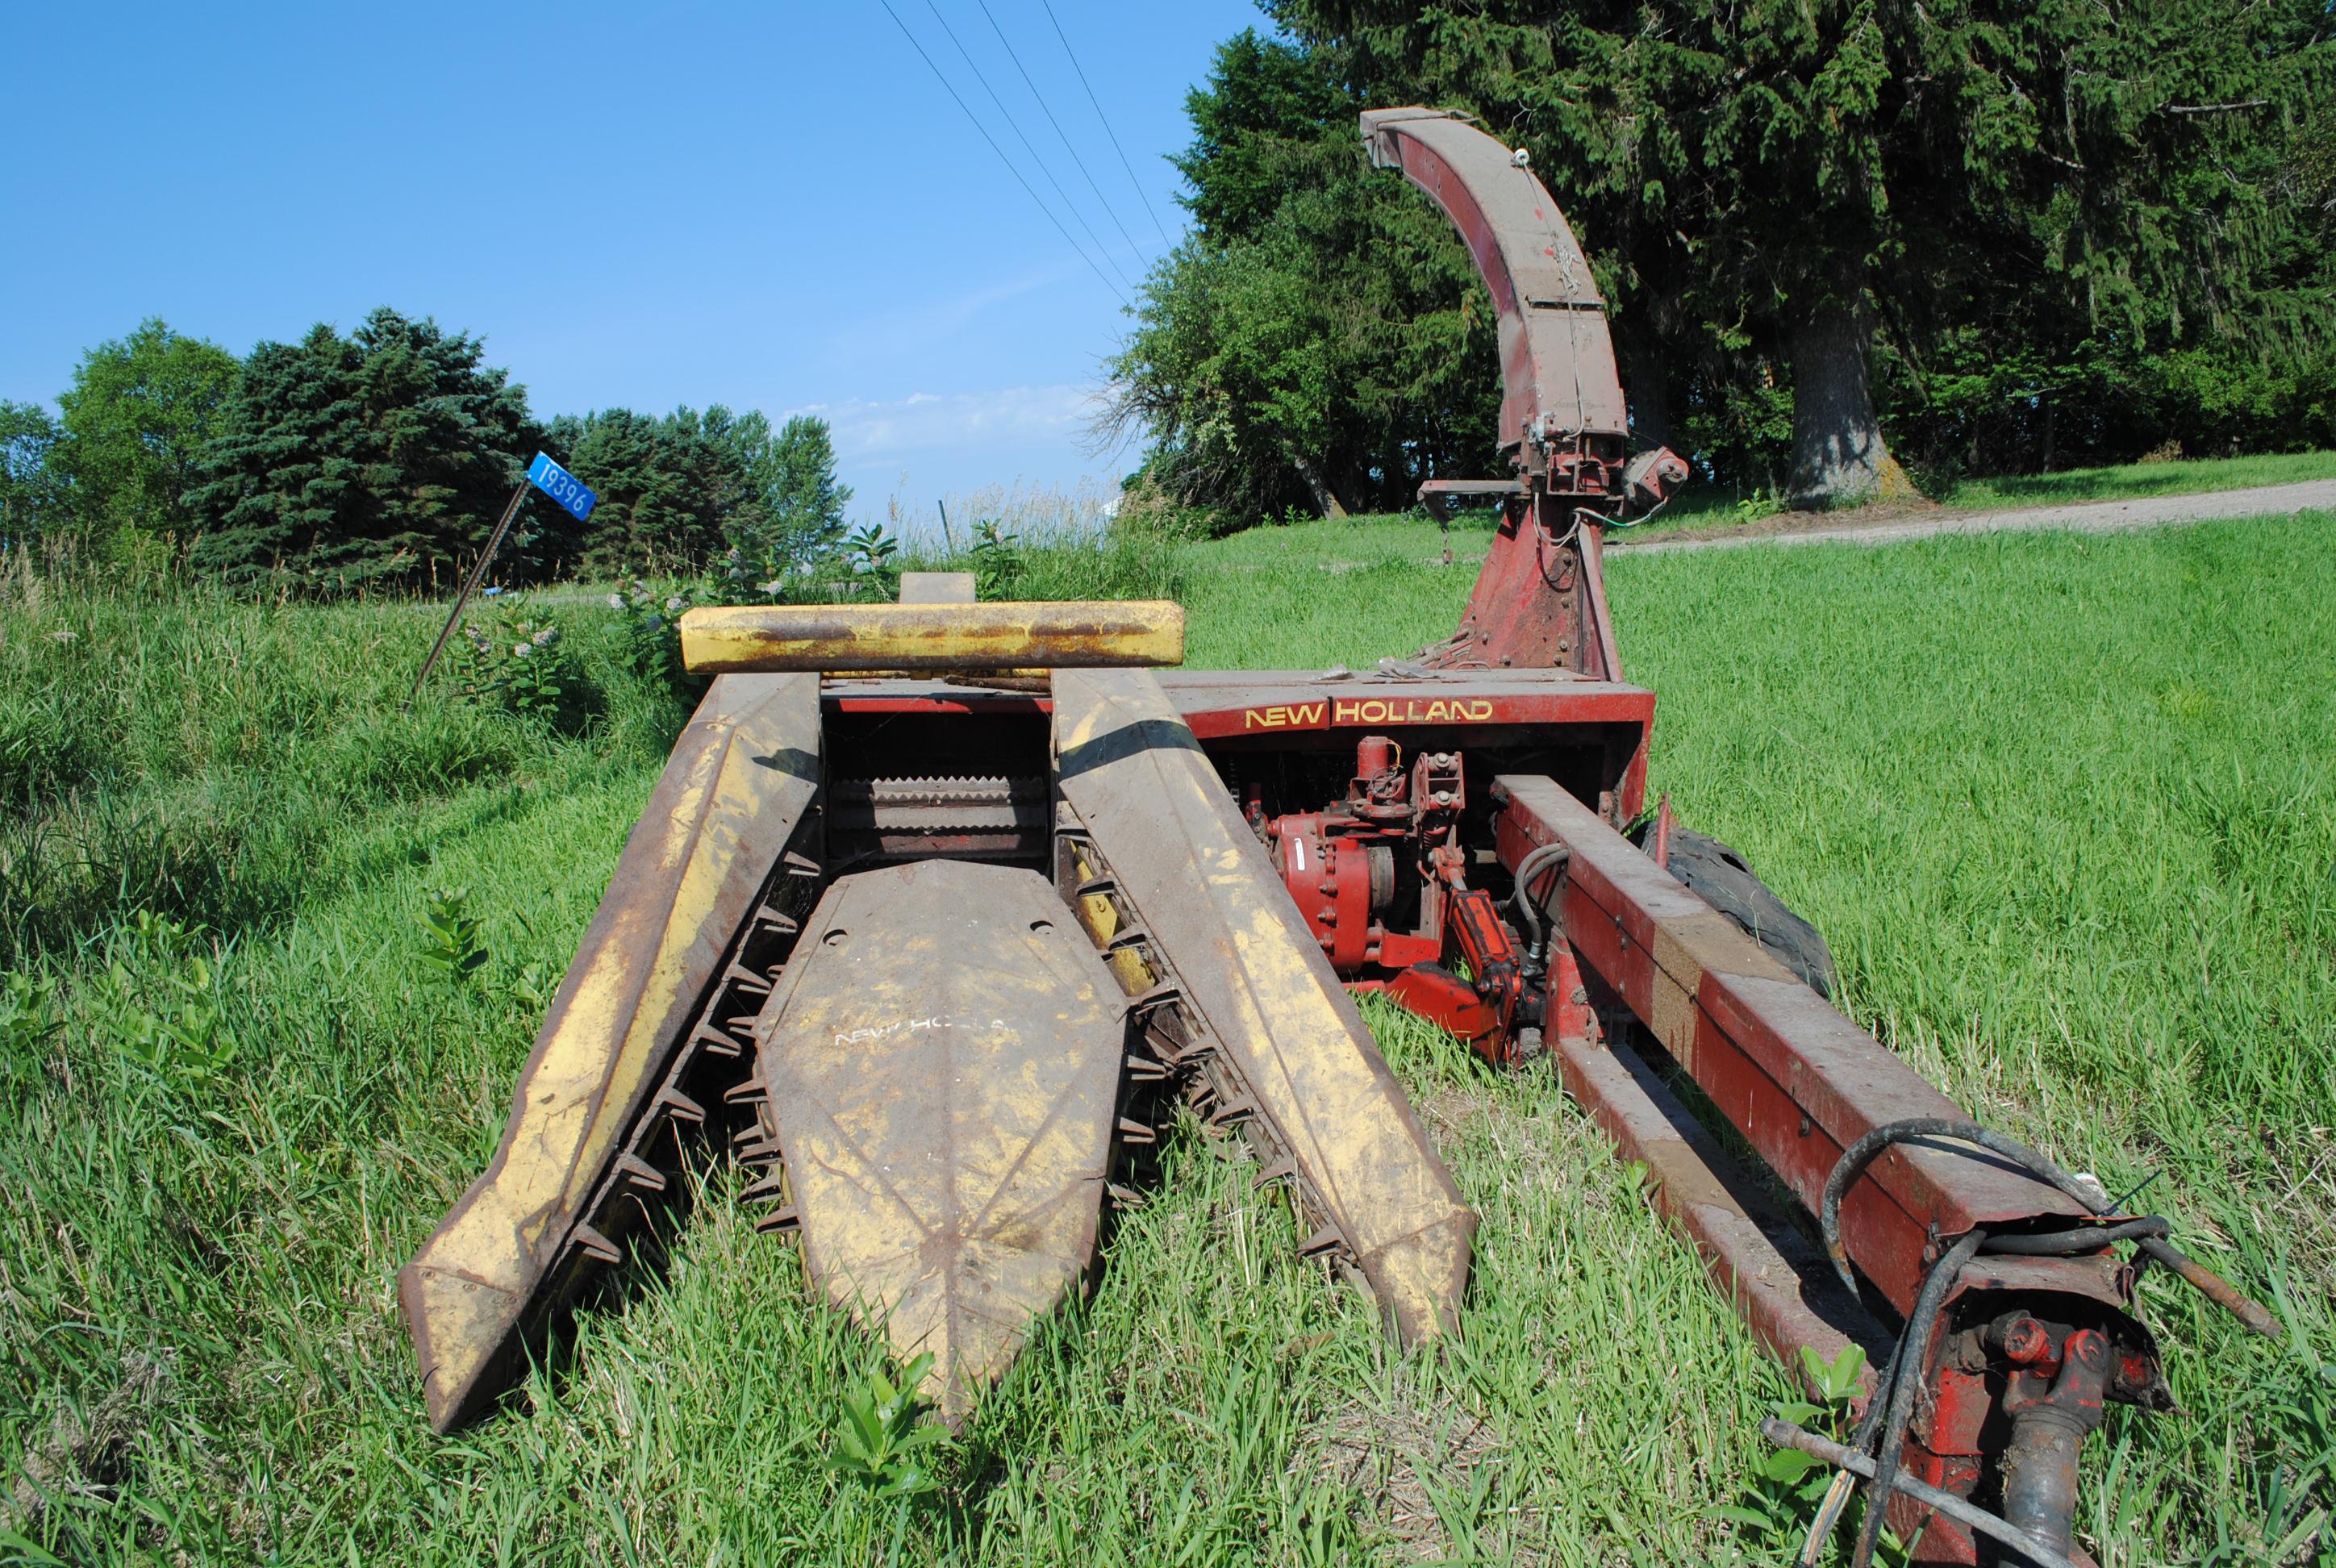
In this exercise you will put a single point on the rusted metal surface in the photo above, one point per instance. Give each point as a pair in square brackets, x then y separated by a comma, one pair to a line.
[932, 635]
[1923, 1497]
[2051, 1416]
[1211, 905]
[941, 1072]
[724, 816]
[1605, 723]
[1799, 1080]
[994, 818]
[1561, 398]
[1803, 1085]
[1443, 497]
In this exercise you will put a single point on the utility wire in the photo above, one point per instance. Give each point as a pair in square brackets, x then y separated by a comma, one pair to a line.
[1059, 132]
[1016, 127]
[986, 136]
[1108, 131]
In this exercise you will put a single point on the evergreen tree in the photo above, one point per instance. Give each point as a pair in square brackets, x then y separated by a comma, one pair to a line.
[140, 411]
[662, 486]
[1805, 170]
[383, 457]
[675, 488]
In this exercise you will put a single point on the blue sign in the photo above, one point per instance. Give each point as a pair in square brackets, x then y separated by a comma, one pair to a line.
[560, 485]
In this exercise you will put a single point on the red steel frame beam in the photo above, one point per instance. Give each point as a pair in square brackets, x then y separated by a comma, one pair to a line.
[1795, 1077]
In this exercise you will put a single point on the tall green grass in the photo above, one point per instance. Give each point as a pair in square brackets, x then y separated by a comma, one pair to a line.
[167, 748]
[2062, 806]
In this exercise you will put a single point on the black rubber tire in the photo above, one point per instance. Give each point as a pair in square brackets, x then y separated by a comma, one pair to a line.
[1720, 877]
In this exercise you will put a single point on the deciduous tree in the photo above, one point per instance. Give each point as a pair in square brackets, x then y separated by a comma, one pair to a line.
[1315, 342]
[32, 492]
[1790, 197]
[136, 420]
[797, 515]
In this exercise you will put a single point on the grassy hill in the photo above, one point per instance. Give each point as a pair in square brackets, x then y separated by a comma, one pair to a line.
[2063, 806]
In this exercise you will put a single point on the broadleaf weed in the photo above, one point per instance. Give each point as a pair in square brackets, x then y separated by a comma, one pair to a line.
[452, 946]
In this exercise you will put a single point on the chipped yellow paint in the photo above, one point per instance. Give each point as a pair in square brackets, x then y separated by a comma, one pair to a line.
[943, 1062]
[740, 777]
[1201, 884]
[933, 636]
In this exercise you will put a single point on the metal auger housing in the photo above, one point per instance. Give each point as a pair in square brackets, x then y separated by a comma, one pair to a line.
[938, 906]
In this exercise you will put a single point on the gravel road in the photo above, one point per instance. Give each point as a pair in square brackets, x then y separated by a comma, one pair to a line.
[2090, 517]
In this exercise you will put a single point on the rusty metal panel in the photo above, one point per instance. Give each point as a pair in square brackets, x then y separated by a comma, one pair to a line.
[1800, 1081]
[941, 1067]
[1557, 357]
[932, 635]
[1208, 898]
[741, 779]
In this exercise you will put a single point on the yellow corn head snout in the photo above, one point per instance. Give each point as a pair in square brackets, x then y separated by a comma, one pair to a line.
[941, 1067]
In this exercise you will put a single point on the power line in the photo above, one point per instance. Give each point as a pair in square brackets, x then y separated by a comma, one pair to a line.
[1059, 132]
[1016, 127]
[1108, 131]
[986, 136]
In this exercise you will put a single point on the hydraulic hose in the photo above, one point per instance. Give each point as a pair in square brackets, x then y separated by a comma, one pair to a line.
[1855, 1158]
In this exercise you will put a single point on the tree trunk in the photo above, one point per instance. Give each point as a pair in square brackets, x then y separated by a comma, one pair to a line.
[1650, 392]
[1839, 458]
[1324, 501]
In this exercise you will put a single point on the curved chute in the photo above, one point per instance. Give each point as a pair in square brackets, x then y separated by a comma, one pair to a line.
[1561, 399]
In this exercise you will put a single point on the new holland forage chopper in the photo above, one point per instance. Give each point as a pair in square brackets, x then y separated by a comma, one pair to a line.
[940, 907]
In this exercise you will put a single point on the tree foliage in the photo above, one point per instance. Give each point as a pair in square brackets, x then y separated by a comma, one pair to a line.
[655, 479]
[676, 489]
[34, 496]
[136, 420]
[798, 516]
[1316, 341]
[1997, 225]
[383, 457]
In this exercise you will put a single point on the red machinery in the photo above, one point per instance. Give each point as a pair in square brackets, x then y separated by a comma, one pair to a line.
[1450, 833]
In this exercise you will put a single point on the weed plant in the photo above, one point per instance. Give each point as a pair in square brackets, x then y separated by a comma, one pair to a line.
[2062, 806]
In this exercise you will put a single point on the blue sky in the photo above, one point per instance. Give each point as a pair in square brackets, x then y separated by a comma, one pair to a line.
[771, 205]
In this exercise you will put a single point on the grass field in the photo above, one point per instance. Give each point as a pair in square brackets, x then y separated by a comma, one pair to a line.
[2063, 806]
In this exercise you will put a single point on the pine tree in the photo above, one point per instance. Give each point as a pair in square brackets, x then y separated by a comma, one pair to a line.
[383, 457]
[661, 485]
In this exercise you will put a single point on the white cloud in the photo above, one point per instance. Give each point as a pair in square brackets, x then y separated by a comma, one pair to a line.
[923, 423]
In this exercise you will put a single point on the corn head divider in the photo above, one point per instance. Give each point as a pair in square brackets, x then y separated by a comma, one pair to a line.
[939, 908]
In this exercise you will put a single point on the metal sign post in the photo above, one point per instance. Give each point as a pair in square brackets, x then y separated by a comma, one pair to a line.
[554, 481]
